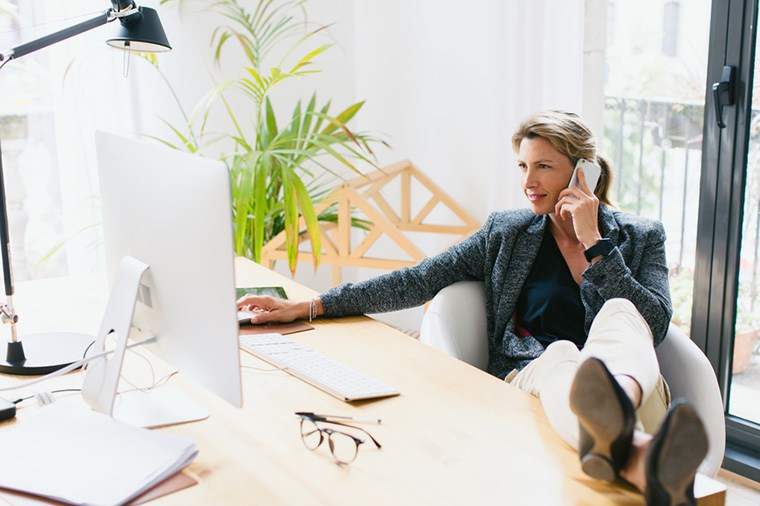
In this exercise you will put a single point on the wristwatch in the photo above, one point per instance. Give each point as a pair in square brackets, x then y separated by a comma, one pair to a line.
[603, 247]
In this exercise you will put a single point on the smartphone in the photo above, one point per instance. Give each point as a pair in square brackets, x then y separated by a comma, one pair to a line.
[592, 172]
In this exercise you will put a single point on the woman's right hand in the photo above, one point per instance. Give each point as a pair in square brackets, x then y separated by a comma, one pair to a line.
[269, 309]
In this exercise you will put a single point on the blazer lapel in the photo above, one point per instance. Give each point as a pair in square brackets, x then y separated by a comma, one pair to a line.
[521, 261]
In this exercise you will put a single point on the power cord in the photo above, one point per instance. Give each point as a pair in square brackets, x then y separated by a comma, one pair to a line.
[72, 367]
[153, 382]
[275, 369]
[45, 397]
[84, 355]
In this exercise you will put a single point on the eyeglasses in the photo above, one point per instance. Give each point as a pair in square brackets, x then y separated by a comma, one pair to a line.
[343, 446]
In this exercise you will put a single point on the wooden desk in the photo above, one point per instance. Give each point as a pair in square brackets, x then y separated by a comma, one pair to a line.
[456, 435]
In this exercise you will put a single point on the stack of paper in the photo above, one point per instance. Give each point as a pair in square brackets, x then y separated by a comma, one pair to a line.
[82, 457]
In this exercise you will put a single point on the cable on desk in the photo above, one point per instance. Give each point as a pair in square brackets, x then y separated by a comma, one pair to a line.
[165, 379]
[84, 355]
[71, 367]
[152, 375]
[260, 368]
[22, 399]
[153, 384]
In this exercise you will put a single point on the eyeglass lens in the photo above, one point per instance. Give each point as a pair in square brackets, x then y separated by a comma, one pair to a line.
[311, 435]
[342, 446]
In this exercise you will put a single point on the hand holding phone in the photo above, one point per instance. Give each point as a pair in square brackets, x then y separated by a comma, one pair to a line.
[592, 172]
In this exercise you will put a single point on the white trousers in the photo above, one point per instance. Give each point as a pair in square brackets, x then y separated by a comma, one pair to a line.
[621, 338]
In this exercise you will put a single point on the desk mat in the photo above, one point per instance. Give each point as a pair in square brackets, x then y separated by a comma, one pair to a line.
[279, 328]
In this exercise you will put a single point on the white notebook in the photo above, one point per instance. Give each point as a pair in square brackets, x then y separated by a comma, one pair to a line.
[77, 456]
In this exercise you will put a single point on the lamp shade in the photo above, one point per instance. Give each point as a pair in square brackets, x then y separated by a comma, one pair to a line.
[141, 31]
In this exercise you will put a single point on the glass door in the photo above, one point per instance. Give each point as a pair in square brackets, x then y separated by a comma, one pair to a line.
[726, 310]
[654, 103]
[745, 356]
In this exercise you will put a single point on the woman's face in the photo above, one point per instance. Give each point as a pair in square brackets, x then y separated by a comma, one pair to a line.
[545, 173]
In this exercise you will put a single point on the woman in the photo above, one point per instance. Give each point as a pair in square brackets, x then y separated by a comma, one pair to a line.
[577, 299]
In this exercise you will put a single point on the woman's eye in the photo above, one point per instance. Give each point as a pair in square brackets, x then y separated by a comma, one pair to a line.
[544, 166]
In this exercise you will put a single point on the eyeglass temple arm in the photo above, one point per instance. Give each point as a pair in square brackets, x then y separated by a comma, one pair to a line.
[319, 419]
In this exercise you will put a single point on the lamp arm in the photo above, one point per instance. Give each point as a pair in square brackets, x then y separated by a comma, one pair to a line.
[47, 40]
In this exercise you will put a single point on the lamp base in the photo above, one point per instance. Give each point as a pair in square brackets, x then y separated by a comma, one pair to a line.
[46, 353]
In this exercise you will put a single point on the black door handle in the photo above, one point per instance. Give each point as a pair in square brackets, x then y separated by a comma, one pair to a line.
[723, 93]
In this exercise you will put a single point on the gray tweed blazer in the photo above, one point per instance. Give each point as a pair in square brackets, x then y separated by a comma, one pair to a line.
[501, 254]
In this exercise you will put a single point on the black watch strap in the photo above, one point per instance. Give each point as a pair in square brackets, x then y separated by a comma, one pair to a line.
[603, 247]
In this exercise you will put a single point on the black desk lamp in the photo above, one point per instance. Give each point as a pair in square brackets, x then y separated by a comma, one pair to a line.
[140, 30]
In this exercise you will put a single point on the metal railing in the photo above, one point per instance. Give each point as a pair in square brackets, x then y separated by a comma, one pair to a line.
[648, 140]
[656, 149]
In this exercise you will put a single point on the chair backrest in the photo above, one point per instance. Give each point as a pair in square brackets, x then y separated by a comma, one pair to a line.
[455, 322]
[690, 376]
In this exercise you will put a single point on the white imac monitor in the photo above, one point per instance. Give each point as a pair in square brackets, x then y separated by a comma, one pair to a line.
[172, 211]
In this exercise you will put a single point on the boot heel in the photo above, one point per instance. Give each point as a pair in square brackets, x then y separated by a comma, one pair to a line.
[606, 420]
[598, 466]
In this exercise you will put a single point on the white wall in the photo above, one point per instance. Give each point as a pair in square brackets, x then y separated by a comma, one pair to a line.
[446, 82]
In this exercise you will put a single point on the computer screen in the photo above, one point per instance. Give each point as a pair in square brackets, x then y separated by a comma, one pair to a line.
[172, 211]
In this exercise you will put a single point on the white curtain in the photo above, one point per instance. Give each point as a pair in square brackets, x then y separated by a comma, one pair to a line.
[78, 86]
[450, 81]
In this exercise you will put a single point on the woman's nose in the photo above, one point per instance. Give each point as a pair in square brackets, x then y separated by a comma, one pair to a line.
[529, 179]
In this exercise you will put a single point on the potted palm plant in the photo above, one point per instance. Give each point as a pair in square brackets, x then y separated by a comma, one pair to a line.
[278, 171]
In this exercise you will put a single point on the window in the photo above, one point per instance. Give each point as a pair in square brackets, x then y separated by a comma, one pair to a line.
[54, 101]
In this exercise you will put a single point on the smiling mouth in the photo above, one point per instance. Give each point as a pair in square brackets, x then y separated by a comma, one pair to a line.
[536, 197]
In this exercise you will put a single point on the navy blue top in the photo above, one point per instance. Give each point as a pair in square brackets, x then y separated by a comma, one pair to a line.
[550, 306]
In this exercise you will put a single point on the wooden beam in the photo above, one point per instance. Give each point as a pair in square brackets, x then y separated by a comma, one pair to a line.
[386, 227]
[386, 208]
[327, 240]
[437, 229]
[344, 224]
[446, 199]
[367, 243]
[386, 172]
[426, 210]
[406, 197]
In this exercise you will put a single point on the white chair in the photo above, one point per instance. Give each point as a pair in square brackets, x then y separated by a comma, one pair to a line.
[455, 323]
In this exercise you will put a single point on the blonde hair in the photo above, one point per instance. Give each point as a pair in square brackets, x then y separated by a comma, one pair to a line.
[569, 135]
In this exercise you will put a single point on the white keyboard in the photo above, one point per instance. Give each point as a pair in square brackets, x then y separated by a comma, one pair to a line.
[314, 368]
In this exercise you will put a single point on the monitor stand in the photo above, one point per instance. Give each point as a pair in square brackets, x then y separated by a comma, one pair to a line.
[163, 405]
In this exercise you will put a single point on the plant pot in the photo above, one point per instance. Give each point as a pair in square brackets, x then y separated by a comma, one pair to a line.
[744, 344]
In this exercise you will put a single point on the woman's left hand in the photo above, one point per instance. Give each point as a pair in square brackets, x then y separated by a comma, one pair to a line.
[582, 206]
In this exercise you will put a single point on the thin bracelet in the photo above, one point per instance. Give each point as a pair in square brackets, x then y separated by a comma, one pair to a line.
[312, 310]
